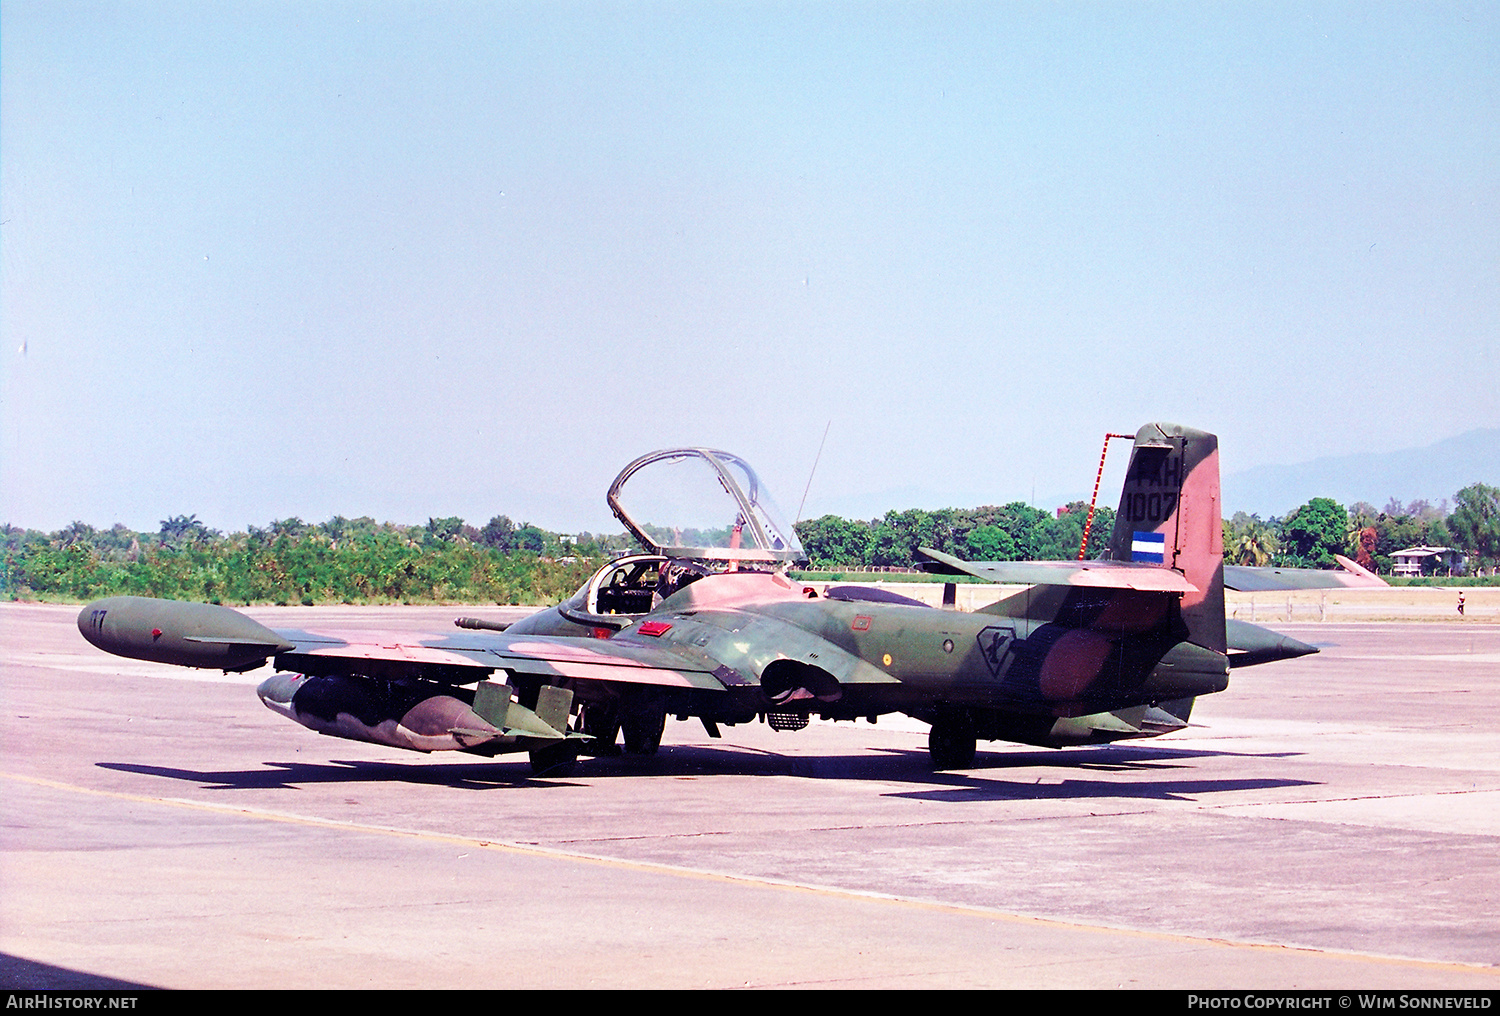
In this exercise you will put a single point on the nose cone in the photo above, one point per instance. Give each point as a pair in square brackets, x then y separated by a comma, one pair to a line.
[171, 631]
[278, 689]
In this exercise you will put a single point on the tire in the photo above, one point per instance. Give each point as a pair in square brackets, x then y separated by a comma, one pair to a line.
[643, 731]
[602, 722]
[951, 742]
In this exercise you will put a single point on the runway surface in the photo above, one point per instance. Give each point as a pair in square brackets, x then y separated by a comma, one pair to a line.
[1328, 822]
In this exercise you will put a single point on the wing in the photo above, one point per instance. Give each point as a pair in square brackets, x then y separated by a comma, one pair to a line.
[445, 655]
[212, 636]
[396, 688]
[1096, 574]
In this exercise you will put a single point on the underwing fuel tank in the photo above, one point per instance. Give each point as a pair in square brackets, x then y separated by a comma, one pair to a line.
[179, 633]
[421, 716]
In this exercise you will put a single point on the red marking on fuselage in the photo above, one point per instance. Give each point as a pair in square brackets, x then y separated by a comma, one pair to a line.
[1072, 664]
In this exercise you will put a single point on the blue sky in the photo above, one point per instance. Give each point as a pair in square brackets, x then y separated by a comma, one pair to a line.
[413, 260]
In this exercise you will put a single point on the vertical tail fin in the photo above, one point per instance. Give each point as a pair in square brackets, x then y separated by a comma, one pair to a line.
[1169, 515]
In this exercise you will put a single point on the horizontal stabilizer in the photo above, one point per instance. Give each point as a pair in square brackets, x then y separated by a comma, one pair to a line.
[1259, 580]
[1095, 574]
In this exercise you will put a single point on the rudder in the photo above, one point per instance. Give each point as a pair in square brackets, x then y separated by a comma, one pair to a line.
[1170, 515]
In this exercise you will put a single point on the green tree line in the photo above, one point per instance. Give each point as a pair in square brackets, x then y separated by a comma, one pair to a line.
[360, 561]
[1306, 537]
[1012, 532]
[1310, 535]
[291, 561]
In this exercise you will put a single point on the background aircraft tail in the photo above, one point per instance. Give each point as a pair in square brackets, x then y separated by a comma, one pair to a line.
[1169, 514]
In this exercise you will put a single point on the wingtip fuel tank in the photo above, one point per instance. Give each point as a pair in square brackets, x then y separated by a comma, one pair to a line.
[179, 633]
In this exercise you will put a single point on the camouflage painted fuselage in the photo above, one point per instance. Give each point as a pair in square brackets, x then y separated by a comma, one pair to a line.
[1090, 651]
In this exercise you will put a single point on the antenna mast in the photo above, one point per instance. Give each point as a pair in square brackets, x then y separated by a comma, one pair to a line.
[1083, 547]
[810, 472]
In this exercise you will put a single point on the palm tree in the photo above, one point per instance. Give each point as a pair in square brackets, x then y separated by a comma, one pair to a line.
[1256, 545]
[182, 529]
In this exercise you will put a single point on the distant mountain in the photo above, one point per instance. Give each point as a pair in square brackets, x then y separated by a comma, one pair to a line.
[1432, 473]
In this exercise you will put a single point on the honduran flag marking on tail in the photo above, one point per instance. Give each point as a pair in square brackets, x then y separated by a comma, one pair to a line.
[1149, 547]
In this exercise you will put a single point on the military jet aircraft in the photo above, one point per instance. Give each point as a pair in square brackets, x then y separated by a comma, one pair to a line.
[708, 624]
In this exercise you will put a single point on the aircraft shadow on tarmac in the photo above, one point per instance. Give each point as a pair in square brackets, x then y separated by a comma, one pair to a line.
[984, 782]
[20, 974]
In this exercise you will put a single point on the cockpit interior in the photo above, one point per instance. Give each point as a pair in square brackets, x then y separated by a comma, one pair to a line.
[697, 512]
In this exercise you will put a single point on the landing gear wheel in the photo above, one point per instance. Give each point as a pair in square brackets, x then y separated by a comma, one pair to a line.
[602, 723]
[951, 742]
[643, 732]
[554, 760]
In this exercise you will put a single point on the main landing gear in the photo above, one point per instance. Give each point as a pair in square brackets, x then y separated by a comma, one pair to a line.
[951, 741]
[642, 723]
[643, 731]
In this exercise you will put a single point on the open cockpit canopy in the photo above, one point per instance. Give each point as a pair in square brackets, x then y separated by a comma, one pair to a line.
[702, 504]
